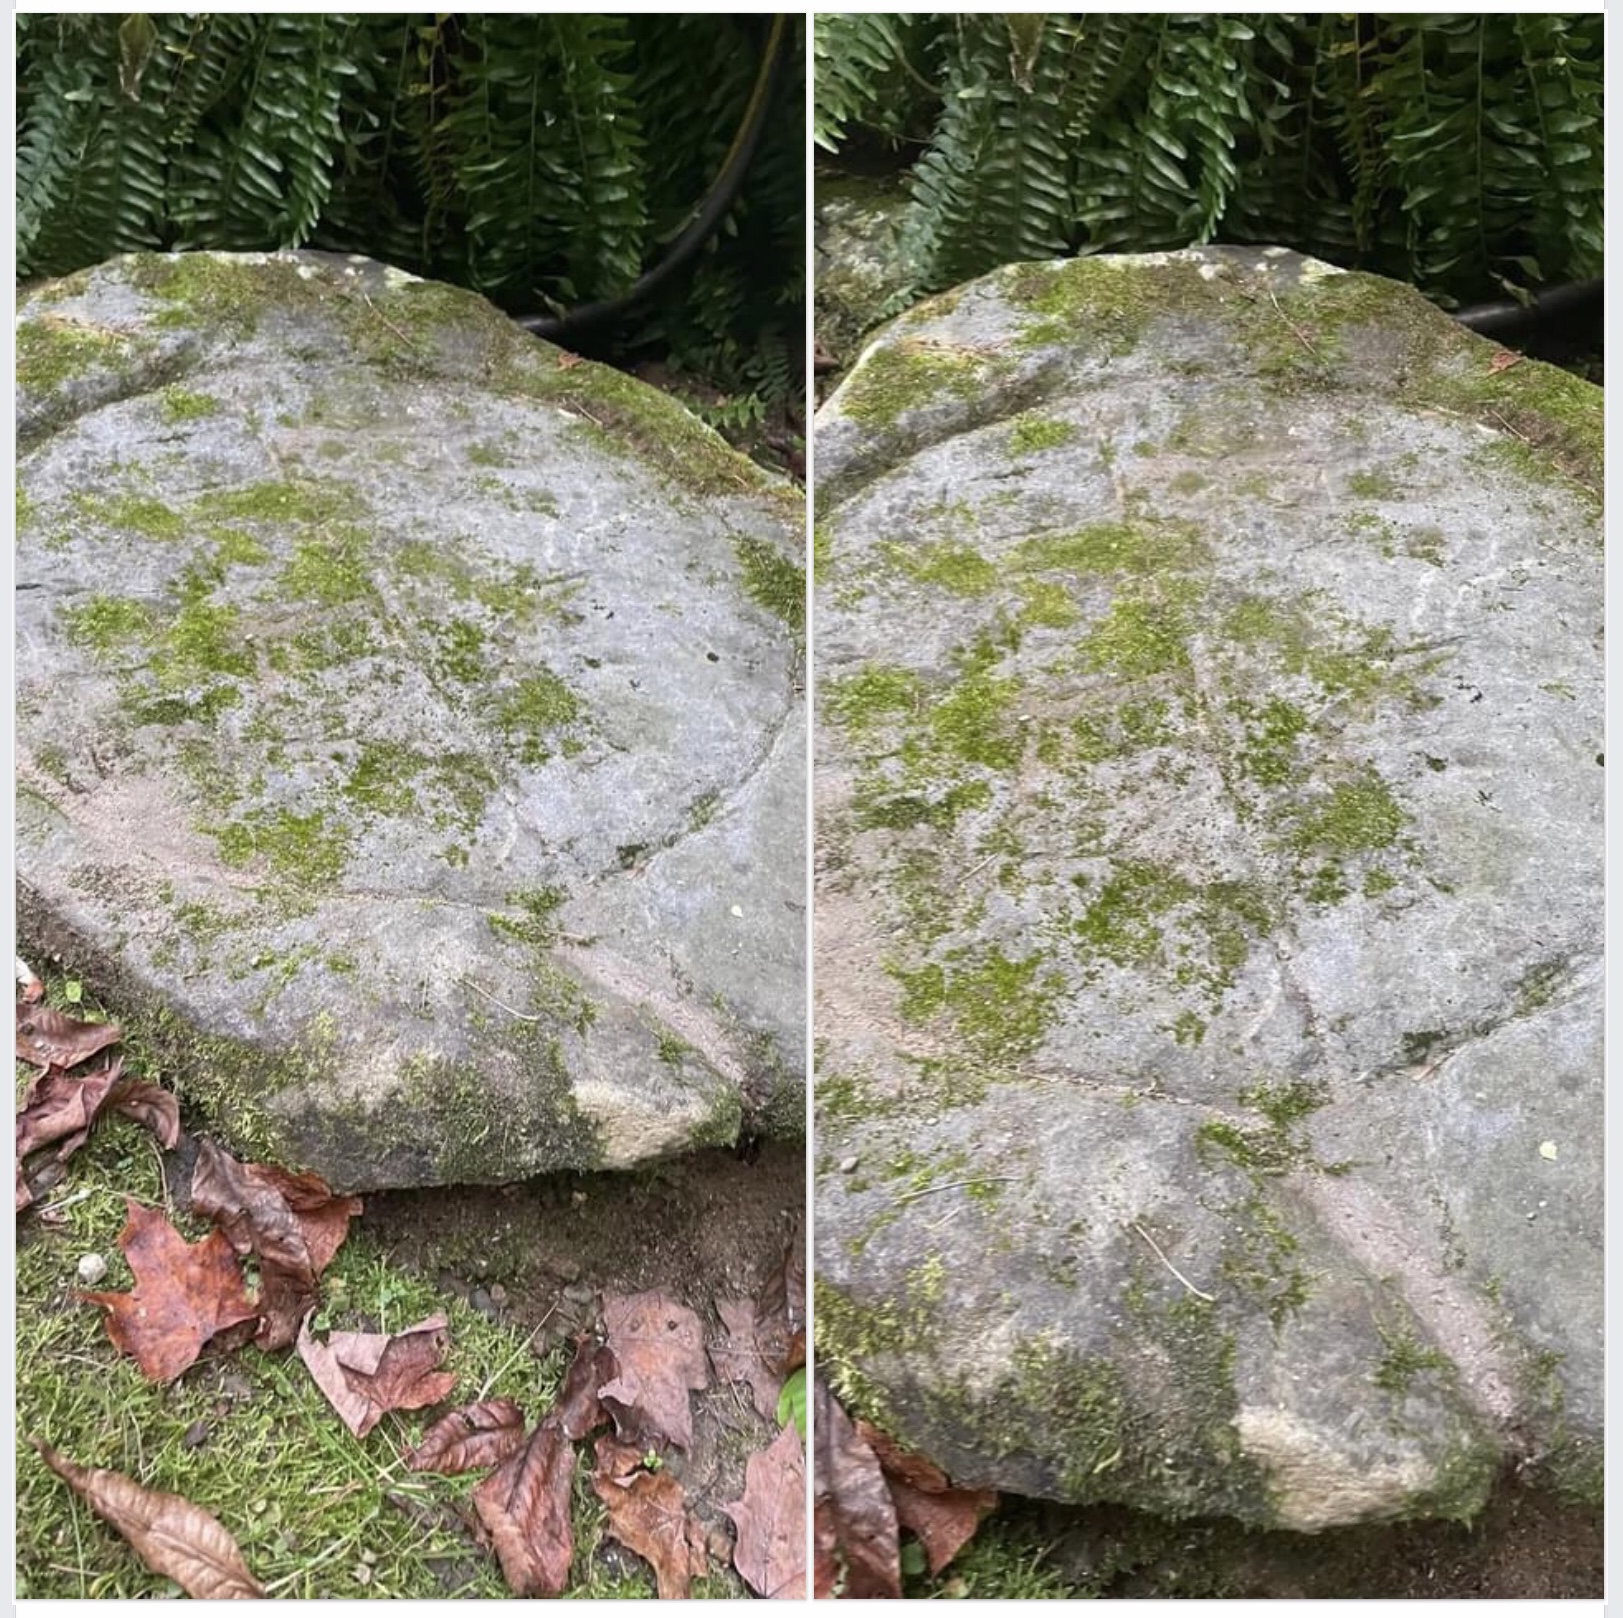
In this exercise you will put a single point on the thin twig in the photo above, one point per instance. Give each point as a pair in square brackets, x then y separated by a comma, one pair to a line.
[1205, 1297]
[408, 341]
[1296, 331]
[501, 1370]
[1514, 432]
[953, 1185]
[501, 1005]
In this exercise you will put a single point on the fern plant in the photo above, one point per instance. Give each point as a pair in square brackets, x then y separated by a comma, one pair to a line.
[1460, 152]
[544, 160]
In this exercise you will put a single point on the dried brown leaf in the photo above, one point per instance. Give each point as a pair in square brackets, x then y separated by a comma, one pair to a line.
[766, 1337]
[771, 1520]
[365, 1374]
[48, 1038]
[658, 1345]
[151, 1106]
[861, 1525]
[293, 1223]
[184, 1294]
[648, 1514]
[176, 1539]
[578, 1410]
[943, 1518]
[741, 1356]
[477, 1435]
[1503, 359]
[825, 1550]
[525, 1506]
[60, 1110]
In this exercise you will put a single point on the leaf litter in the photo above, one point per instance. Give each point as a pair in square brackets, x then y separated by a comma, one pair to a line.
[188, 1296]
[869, 1488]
[771, 1520]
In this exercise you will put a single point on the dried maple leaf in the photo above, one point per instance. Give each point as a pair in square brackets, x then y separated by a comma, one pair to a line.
[364, 1374]
[184, 1294]
[48, 1038]
[525, 1506]
[477, 1435]
[771, 1520]
[293, 1223]
[944, 1518]
[860, 1526]
[658, 1345]
[648, 1514]
[578, 1410]
[173, 1537]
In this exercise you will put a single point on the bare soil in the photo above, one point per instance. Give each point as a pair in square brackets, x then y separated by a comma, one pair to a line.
[1527, 1545]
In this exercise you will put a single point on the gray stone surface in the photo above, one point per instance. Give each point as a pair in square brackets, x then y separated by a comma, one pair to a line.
[1208, 982]
[862, 264]
[409, 729]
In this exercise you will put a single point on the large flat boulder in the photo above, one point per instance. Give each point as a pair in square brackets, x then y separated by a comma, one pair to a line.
[409, 730]
[1208, 980]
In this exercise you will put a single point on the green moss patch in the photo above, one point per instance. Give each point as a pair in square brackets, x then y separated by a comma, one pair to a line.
[903, 377]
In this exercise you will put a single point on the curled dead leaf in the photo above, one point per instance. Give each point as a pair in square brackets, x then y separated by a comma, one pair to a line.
[648, 1514]
[943, 1518]
[175, 1538]
[365, 1374]
[47, 1038]
[293, 1224]
[579, 1410]
[477, 1435]
[658, 1346]
[858, 1535]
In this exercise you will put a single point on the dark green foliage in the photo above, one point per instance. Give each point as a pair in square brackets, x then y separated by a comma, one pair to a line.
[545, 160]
[1460, 152]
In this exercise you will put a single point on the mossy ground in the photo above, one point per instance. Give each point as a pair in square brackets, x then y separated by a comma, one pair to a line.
[249, 1437]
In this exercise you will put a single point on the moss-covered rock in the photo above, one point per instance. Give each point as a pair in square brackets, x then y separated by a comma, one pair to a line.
[374, 664]
[1209, 805]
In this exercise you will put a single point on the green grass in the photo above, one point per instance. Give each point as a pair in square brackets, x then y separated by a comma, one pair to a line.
[316, 1512]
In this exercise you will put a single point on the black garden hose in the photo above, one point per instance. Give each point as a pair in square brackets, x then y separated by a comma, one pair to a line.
[714, 208]
[1558, 320]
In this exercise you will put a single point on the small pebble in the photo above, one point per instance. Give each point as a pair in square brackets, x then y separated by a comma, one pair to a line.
[848, 1165]
[578, 1293]
[481, 1301]
[197, 1435]
[498, 1294]
[578, 1198]
[92, 1268]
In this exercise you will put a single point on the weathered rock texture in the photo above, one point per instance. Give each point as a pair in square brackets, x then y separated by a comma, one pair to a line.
[1208, 915]
[861, 262]
[408, 727]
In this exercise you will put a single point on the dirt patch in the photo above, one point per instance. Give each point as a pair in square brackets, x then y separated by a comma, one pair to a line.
[1526, 1545]
[537, 1257]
